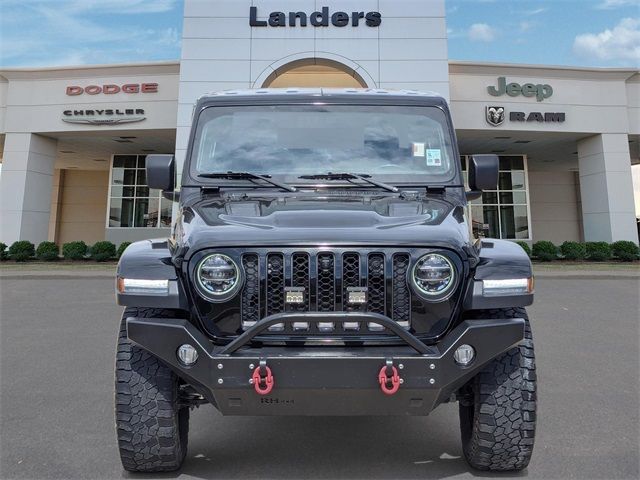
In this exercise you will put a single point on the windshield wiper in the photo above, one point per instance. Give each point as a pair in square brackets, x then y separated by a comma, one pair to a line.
[350, 176]
[249, 176]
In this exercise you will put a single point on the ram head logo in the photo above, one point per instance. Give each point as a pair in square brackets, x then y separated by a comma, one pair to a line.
[495, 116]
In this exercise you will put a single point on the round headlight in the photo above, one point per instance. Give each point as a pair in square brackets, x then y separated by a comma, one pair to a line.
[433, 275]
[218, 276]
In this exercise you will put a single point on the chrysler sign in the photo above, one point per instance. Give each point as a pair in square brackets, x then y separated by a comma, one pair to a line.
[104, 116]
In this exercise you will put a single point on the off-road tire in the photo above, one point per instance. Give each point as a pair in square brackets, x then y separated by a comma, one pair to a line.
[498, 426]
[152, 427]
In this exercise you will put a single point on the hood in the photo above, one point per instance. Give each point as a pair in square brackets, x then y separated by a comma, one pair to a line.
[312, 221]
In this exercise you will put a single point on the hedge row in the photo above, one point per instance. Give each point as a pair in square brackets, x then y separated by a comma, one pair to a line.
[24, 250]
[545, 251]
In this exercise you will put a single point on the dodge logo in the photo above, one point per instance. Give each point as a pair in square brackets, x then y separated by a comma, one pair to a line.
[495, 116]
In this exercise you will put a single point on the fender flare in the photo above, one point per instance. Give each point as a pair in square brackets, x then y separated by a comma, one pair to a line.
[498, 260]
[151, 260]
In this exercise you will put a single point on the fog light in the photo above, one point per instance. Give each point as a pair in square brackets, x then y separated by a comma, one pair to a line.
[464, 355]
[187, 354]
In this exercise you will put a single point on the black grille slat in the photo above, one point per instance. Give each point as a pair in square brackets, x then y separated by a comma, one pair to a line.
[300, 278]
[275, 283]
[401, 295]
[250, 303]
[376, 284]
[350, 279]
[326, 282]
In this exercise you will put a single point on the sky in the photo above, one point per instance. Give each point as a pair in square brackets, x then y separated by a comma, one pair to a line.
[36, 33]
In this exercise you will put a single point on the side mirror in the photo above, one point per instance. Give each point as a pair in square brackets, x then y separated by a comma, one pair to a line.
[483, 174]
[161, 172]
[173, 196]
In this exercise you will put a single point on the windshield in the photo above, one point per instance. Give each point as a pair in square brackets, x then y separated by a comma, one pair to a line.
[393, 144]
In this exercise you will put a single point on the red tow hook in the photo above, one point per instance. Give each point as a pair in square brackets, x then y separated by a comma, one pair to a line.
[389, 379]
[259, 380]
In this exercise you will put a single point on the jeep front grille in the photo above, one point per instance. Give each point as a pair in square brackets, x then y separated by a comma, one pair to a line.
[324, 281]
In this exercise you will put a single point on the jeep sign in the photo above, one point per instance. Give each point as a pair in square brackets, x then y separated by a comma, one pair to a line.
[514, 89]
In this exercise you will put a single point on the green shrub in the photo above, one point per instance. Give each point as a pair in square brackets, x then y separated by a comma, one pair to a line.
[74, 250]
[625, 250]
[3, 251]
[573, 250]
[545, 251]
[598, 251]
[48, 252]
[525, 246]
[22, 250]
[103, 251]
[123, 246]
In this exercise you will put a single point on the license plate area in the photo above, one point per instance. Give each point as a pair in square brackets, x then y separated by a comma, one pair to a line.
[326, 386]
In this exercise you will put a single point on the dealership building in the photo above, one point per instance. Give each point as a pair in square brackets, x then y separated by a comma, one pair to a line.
[73, 141]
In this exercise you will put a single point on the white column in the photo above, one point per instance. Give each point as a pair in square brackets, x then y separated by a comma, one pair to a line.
[606, 188]
[25, 187]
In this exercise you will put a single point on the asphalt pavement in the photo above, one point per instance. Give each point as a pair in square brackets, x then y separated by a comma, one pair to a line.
[56, 398]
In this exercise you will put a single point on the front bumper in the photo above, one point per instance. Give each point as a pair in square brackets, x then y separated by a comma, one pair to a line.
[331, 380]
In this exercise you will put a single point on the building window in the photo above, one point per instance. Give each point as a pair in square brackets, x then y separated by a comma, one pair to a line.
[502, 213]
[132, 204]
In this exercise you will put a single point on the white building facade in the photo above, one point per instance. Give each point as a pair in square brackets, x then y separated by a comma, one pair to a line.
[74, 140]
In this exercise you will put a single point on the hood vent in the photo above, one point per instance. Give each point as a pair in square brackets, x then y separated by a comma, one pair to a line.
[244, 209]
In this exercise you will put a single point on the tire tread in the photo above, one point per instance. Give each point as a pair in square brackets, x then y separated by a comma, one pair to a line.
[498, 432]
[151, 427]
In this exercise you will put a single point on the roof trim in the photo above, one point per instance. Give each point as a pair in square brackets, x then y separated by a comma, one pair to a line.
[557, 71]
[90, 71]
[164, 63]
[467, 63]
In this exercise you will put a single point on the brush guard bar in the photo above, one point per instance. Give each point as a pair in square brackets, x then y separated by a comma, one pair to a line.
[408, 379]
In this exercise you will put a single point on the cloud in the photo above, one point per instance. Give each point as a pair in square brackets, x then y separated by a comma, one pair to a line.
[536, 11]
[121, 7]
[611, 4]
[481, 32]
[620, 44]
[125, 6]
[168, 37]
[525, 26]
[79, 32]
[455, 33]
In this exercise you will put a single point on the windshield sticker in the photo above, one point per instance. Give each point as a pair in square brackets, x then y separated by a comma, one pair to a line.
[434, 157]
[418, 149]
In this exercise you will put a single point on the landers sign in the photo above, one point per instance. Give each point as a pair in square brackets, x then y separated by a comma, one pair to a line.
[320, 18]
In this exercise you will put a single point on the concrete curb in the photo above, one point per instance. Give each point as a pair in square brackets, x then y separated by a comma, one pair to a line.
[565, 273]
[50, 274]
[577, 274]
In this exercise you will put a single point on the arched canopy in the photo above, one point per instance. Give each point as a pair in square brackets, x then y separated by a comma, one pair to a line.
[313, 71]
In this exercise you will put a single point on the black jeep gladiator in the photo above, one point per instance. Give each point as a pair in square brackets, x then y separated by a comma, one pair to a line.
[321, 263]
